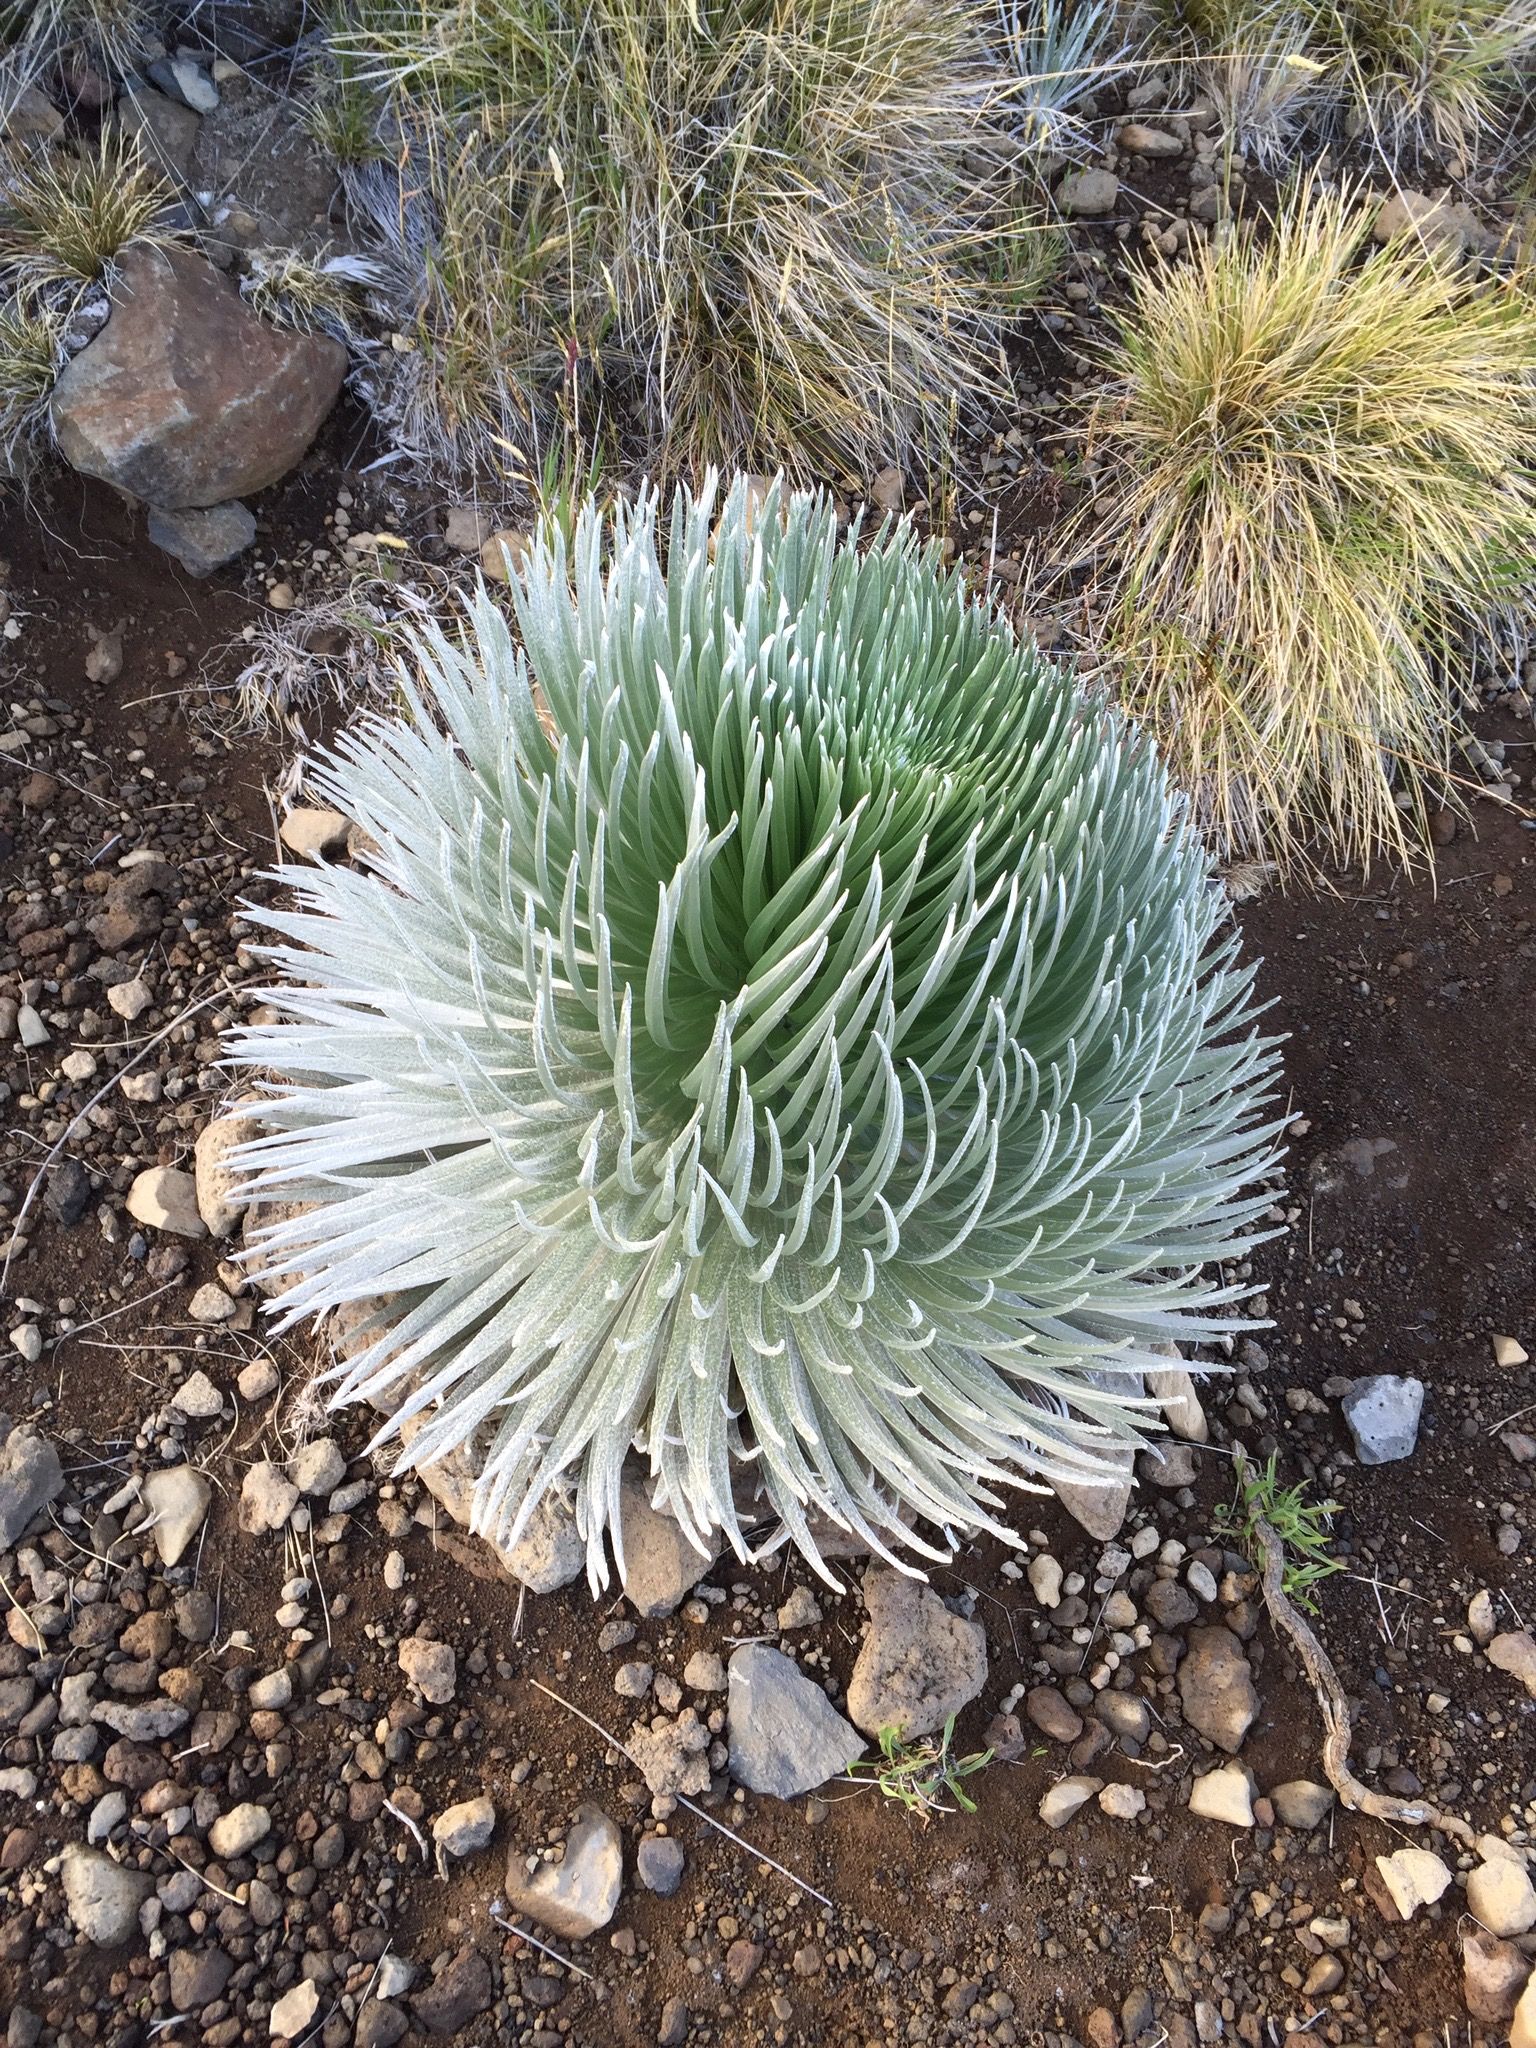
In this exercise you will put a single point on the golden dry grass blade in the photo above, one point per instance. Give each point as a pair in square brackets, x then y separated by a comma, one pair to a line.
[1315, 465]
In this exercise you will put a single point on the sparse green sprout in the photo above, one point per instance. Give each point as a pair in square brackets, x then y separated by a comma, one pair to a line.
[799, 1028]
[65, 214]
[923, 1776]
[1303, 1527]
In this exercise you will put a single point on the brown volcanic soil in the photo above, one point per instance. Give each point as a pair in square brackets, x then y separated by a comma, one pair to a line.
[1410, 1021]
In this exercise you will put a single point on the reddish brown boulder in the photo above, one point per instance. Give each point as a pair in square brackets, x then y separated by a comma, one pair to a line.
[185, 398]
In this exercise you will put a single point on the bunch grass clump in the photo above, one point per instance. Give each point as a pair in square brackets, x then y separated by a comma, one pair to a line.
[1413, 77]
[780, 231]
[67, 213]
[780, 1026]
[113, 36]
[30, 355]
[1315, 472]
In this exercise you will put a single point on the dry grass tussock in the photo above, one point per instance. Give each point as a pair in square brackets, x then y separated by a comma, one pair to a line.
[1315, 472]
[779, 231]
[1410, 75]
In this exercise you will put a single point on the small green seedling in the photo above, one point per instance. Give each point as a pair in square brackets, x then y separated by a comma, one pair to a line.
[917, 1774]
[1302, 1526]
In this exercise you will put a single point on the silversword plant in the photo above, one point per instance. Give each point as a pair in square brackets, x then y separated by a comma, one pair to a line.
[779, 1025]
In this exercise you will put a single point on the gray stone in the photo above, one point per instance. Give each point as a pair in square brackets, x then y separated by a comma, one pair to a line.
[1302, 1804]
[785, 1735]
[1088, 194]
[1067, 1797]
[1052, 1714]
[919, 1663]
[659, 1566]
[1216, 1688]
[272, 1692]
[143, 1720]
[461, 1830]
[203, 537]
[1383, 1416]
[580, 1894]
[101, 1898]
[165, 1198]
[167, 131]
[178, 1498]
[239, 1829]
[704, 1672]
[659, 1864]
[1493, 1973]
[185, 398]
[181, 79]
[198, 1397]
[30, 1478]
[1224, 1794]
[431, 1667]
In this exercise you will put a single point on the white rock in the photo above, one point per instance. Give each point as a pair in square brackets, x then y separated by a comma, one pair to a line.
[1500, 1894]
[312, 833]
[267, 1498]
[30, 1028]
[220, 1190]
[1224, 1794]
[101, 1898]
[1067, 1797]
[78, 1066]
[1414, 1878]
[239, 1829]
[1515, 1652]
[1173, 1386]
[1482, 1618]
[257, 1380]
[1045, 1579]
[198, 1397]
[1523, 2033]
[130, 999]
[1383, 1413]
[294, 2011]
[271, 1692]
[1122, 1802]
[1510, 1351]
[577, 1896]
[178, 1498]
[27, 1338]
[318, 1467]
[431, 1667]
[1100, 1506]
[461, 1830]
[165, 1198]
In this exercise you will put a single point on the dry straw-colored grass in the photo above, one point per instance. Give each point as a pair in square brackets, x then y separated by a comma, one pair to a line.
[1406, 75]
[779, 231]
[1315, 470]
[66, 213]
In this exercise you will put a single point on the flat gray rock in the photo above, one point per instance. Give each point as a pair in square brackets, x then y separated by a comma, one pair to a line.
[580, 1894]
[1383, 1416]
[660, 1566]
[919, 1662]
[30, 1477]
[101, 1897]
[785, 1735]
[204, 537]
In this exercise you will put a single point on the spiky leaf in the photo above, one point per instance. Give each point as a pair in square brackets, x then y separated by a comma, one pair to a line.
[781, 1022]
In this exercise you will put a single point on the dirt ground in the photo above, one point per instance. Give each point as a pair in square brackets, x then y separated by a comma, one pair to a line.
[1412, 1197]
